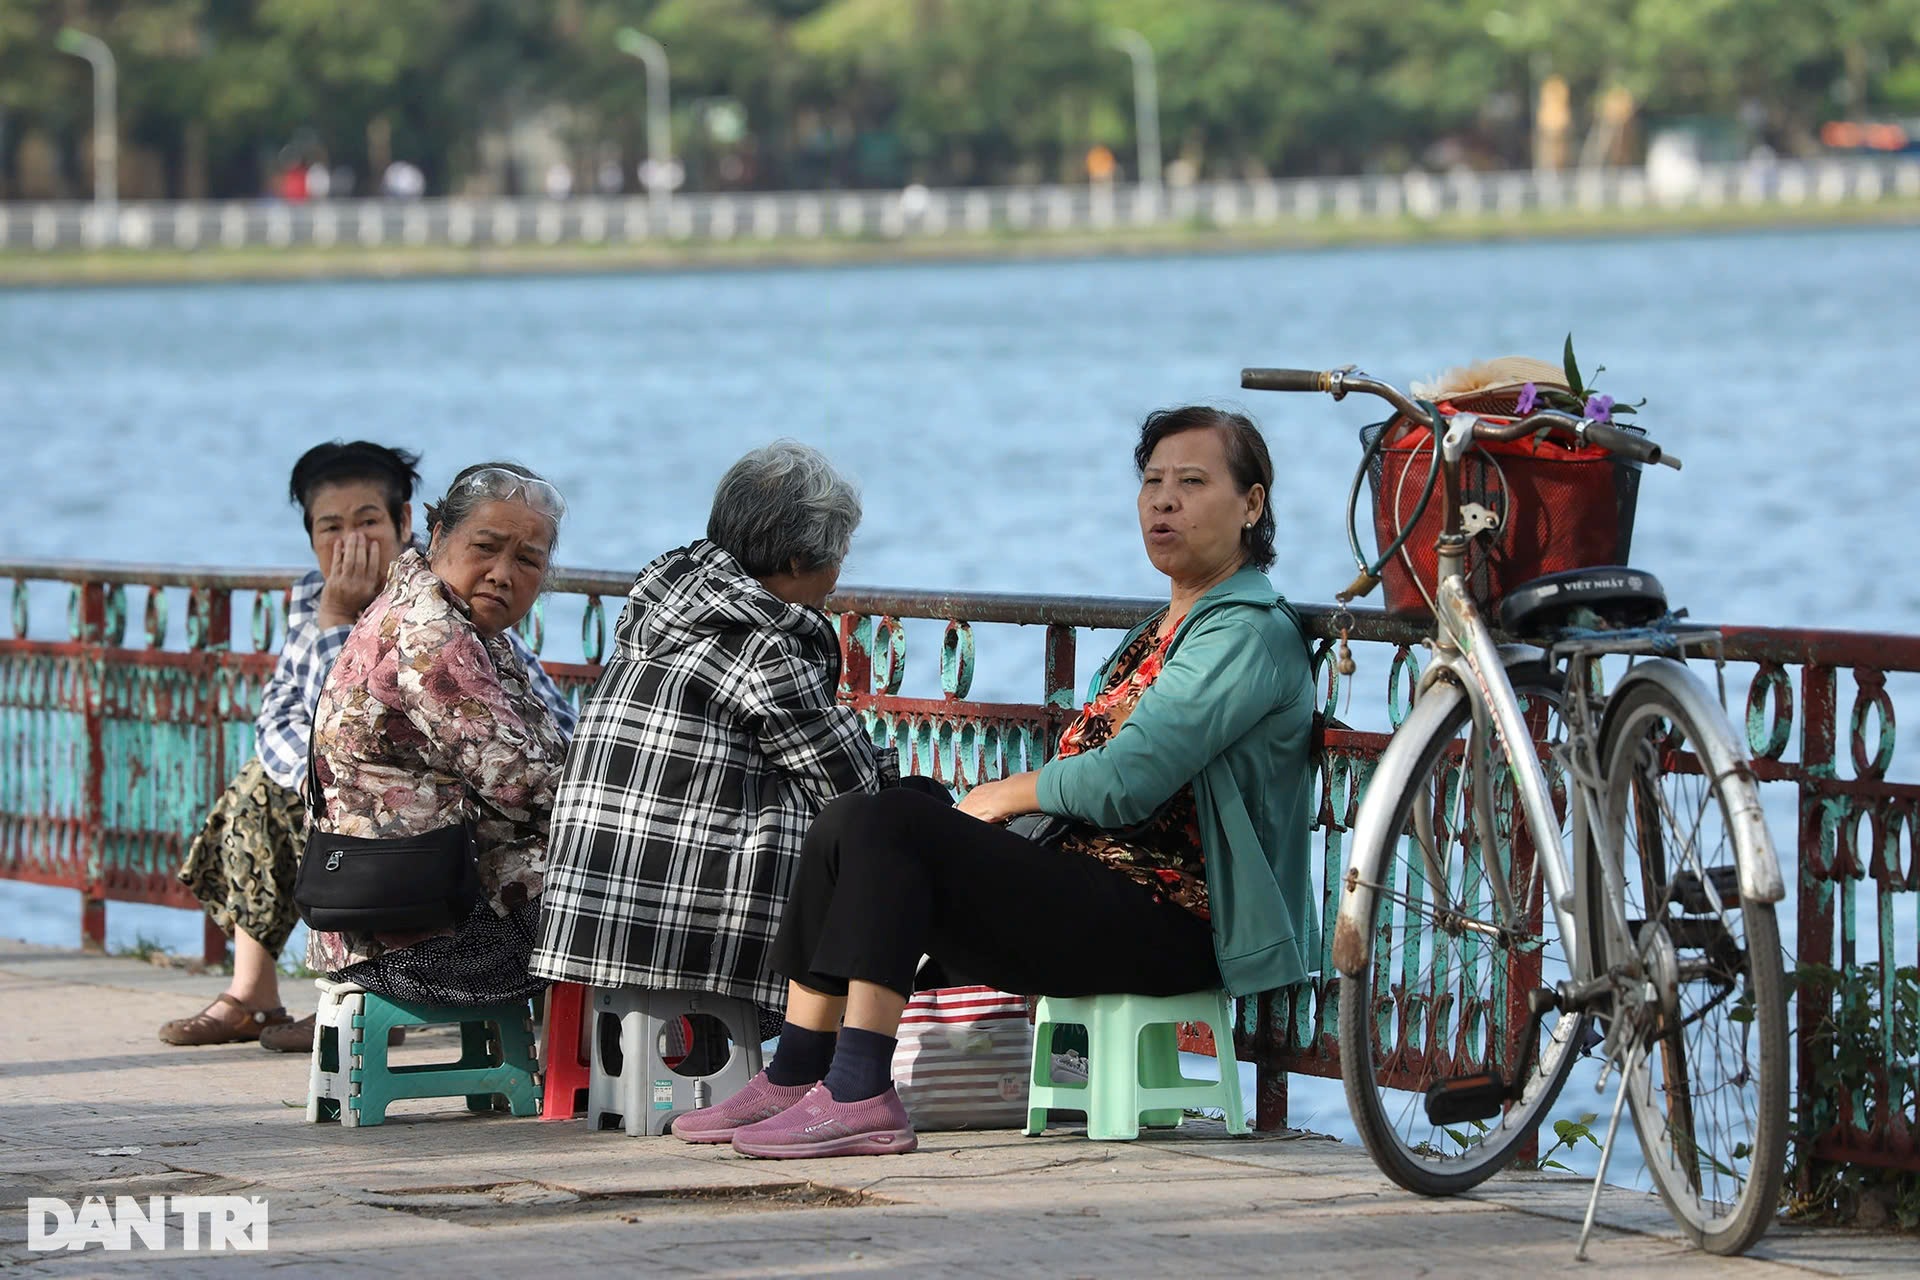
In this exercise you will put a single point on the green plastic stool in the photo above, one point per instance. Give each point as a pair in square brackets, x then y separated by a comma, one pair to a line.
[1133, 1063]
[352, 1081]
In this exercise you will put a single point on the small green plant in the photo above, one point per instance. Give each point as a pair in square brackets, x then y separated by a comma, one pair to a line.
[1568, 1134]
[1865, 1049]
[144, 948]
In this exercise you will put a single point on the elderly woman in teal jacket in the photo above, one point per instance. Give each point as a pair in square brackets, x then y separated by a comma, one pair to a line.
[1174, 853]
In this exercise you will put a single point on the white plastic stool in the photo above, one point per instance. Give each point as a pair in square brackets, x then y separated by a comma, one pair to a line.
[635, 1030]
[330, 1072]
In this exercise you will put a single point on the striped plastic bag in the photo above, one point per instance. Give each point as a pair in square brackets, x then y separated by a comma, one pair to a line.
[964, 1058]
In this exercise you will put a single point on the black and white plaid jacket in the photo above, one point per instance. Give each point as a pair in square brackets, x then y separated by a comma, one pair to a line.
[704, 752]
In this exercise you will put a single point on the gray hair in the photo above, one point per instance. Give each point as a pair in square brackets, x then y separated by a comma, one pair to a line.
[485, 482]
[783, 503]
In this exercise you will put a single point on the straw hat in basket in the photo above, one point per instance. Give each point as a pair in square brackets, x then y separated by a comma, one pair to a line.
[1491, 386]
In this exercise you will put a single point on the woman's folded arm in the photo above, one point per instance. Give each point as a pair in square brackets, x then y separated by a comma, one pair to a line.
[805, 732]
[1217, 684]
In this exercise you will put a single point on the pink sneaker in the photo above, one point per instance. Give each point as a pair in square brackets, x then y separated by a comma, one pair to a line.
[759, 1100]
[818, 1126]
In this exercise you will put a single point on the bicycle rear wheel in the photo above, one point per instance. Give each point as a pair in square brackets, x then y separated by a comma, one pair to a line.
[1444, 994]
[1709, 1096]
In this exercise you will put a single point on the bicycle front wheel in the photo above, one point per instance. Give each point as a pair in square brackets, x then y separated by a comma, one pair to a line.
[1444, 994]
[1708, 1085]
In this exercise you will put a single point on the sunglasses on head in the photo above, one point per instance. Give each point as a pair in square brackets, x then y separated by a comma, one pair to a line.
[500, 483]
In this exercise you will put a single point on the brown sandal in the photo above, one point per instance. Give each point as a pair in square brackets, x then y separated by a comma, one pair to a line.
[289, 1037]
[233, 1024]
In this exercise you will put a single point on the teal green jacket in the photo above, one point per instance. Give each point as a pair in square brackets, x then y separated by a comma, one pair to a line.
[1232, 713]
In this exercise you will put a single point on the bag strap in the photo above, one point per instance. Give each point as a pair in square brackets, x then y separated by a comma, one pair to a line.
[316, 802]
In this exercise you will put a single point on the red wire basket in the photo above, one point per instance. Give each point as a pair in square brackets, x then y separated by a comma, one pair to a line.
[1558, 507]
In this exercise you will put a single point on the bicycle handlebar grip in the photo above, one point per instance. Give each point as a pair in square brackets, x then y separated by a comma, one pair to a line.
[1627, 444]
[1283, 380]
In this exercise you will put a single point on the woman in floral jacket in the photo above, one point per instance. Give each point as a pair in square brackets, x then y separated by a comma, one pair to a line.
[428, 720]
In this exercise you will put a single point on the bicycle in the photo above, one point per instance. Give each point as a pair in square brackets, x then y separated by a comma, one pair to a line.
[1539, 870]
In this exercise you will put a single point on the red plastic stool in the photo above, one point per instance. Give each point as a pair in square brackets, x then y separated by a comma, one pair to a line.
[568, 1068]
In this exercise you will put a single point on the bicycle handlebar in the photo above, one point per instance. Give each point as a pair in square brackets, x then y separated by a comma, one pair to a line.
[1283, 380]
[1338, 382]
[1627, 444]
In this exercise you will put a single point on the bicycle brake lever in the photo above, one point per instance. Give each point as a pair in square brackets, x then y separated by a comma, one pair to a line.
[1459, 436]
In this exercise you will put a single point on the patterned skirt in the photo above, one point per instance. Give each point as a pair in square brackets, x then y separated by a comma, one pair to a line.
[241, 865]
[483, 962]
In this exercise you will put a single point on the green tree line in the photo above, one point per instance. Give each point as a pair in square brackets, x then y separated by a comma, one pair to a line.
[218, 96]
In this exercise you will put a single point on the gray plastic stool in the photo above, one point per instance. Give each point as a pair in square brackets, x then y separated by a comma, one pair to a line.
[631, 1087]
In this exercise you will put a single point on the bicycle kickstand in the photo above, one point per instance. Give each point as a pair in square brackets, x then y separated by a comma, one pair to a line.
[1606, 1153]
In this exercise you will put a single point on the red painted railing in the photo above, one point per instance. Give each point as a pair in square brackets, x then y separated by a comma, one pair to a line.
[111, 751]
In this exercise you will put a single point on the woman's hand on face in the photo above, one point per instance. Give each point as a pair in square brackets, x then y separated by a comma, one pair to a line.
[1007, 798]
[353, 580]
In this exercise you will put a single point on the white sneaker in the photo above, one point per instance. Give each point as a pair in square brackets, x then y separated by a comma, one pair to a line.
[1069, 1068]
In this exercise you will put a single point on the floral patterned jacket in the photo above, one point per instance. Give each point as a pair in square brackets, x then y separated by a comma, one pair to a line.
[423, 724]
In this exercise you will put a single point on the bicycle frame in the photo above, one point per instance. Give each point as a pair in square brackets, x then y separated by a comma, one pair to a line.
[1469, 664]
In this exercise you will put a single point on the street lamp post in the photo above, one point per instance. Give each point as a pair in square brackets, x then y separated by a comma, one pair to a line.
[1146, 102]
[659, 135]
[106, 137]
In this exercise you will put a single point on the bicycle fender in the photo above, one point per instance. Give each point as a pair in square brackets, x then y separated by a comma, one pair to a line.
[1757, 863]
[1372, 838]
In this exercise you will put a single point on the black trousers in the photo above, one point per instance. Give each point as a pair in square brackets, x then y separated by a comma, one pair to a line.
[886, 878]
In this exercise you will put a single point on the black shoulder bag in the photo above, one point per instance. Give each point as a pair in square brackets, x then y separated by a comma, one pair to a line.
[407, 884]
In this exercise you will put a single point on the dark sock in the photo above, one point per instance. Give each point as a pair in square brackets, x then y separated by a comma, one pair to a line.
[862, 1065]
[801, 1057]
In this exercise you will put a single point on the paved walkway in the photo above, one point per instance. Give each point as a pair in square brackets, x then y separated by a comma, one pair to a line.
[91, 1103]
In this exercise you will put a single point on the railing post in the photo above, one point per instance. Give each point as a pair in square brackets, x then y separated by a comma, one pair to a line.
[213, 942]
[856, 665]
[1058, 690]
[1814, 911]
[1270, 1076]
[214, 605]
[92, 622]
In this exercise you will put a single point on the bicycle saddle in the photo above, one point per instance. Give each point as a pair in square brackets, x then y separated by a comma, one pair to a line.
[1611, 596]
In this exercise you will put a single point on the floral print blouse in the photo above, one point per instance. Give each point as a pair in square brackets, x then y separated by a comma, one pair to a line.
[423, 724]
[1163, 852]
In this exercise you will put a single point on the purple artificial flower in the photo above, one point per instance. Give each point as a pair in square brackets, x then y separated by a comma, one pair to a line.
[1529, 397]
[1599, 408]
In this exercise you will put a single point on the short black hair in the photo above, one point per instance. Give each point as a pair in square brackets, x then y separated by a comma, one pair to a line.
[361, 461]
[1247, 459]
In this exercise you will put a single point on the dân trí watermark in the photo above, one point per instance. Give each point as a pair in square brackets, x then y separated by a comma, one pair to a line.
[191, 1223]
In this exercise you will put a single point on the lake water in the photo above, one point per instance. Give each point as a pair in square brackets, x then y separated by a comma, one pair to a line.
[988, 411]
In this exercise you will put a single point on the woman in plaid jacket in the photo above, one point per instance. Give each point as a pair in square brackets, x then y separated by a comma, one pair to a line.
[710, 743]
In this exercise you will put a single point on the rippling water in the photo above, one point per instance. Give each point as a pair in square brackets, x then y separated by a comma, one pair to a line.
[988, 409]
